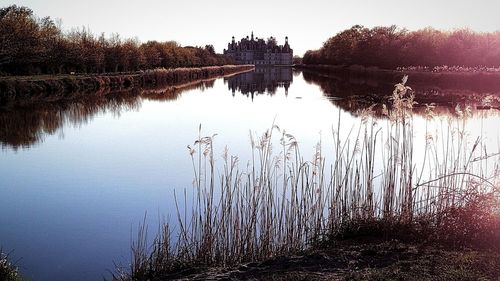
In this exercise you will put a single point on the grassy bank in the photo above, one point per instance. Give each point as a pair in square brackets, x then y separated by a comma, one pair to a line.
[51, 88]
[281, 204]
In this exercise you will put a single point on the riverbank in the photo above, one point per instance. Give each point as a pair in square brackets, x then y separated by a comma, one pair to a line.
[26, 89]
[473, 81]
[367, 250]
[361, 260]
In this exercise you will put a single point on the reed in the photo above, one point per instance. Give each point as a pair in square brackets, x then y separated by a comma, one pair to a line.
[282, 203]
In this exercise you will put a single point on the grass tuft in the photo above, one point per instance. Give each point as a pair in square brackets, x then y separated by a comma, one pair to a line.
[8, 270]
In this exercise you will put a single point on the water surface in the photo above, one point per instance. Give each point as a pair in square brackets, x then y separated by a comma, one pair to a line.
[76, 178]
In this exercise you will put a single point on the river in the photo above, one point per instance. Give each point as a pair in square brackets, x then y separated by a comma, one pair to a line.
[77, 177]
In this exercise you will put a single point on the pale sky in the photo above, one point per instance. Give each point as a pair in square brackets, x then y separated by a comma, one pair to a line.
[307, 23]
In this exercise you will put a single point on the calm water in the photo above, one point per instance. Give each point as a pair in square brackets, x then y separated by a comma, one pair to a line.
[76, 178]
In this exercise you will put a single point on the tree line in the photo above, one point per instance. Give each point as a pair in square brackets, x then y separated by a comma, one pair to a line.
[32, 45]
[392, 47]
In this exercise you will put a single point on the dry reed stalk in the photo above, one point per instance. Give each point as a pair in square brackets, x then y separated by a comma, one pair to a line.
[282, 204]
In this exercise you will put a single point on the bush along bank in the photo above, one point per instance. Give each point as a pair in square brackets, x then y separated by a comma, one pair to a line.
[31, 89]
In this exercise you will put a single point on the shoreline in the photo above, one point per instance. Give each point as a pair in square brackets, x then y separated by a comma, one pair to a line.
[15, 89]
[475, 81]
[360, 259]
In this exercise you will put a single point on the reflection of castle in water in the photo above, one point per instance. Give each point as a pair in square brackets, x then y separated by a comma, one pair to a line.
[261, 80]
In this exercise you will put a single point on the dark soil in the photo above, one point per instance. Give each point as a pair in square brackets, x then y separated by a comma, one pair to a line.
[355, 260]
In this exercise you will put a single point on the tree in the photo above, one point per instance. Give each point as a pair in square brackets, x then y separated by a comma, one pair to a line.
[210, 49]
[134, 58]
[390, 47]
[50, 37]
[297, 60]
[29, 45]
[151, 53]
[19, 39]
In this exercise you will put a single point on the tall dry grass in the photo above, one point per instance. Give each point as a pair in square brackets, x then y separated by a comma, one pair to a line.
[281, 203]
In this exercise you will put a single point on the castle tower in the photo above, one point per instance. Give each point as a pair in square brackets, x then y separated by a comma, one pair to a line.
[252, 35]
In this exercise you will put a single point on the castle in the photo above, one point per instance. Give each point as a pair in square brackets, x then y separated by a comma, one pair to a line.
[259, 52]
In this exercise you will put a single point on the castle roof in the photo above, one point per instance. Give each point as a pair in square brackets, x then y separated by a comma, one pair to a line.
[258, 44]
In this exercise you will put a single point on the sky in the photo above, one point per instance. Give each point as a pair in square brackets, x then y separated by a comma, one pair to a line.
[307, 23]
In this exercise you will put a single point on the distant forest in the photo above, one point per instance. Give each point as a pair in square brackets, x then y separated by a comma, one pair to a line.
[32, 45]
[392, 47]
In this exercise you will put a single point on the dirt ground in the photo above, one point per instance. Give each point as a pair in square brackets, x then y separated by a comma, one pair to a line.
[350, 260]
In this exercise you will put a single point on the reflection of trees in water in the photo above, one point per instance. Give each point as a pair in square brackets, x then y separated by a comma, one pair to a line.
[24, 126]
[27, 125]
[354, 93]
[261, 80]
[173, 92]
